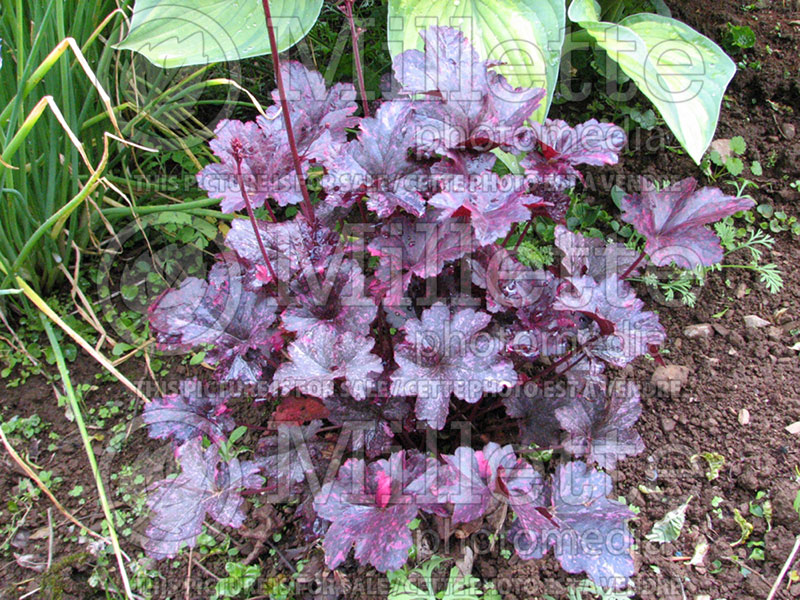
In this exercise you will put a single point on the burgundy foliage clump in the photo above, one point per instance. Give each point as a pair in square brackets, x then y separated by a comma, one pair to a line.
[403, 312]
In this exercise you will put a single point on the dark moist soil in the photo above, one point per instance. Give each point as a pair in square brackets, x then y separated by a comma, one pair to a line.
[734, 370]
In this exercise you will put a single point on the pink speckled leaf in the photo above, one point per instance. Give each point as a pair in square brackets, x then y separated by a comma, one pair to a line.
[593, 257]
[622, 330]
[335, 296]
[601, 428]
[408, 247]
[493, 208]
[378, 165]
[206, 486]
[236, 321]
[370, 508]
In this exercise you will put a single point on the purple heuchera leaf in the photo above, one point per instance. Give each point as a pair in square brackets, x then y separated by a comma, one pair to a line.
[235, 321]
[408, 247]
[559, 147]
[601, 428]
[330, 296]
[292, 246]
[593, 257]
[589, 532]
[193, 412]
[369, 508]
[319, 117]
[206, 486]
[493, 208]
[469, 106]
[621, 331]
[288, 455]
[672, 220]
[508, 283]
[474, 480]
[370, 420]
[535, 406]
[221, 180]
[442, 355]
[322, 356]
[377, 164]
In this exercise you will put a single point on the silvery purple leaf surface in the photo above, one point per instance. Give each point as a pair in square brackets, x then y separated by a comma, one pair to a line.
[468, 105]
[443, 355]
[292, 246]
[600, 427]
[194, 411]
[622, 331]
[493, 207]
[206, 486]
[377, 164]
[235, 321]
[672, 220]
[319, 119]
[331, 295]
[593, 257]
[370, 420]
[370, 508]
[322, 356]
[587, 531]
[559, 147]
[509, 284]
[408, 248]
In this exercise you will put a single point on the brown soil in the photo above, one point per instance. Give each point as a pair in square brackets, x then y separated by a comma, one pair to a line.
[735, 369]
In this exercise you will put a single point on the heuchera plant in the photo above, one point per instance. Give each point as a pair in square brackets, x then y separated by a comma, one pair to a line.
[395, 304]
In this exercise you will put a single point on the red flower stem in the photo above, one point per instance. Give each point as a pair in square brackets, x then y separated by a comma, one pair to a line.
[347, 9]
[361, 208]
[307, 209]
[565, 358]
[271, 212]
[507, 239]
[252, 216]
[632, 268]
[522, 235]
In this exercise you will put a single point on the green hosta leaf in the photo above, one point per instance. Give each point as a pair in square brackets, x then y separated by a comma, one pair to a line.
[526, 35]
[177, 33]
[683, 73]
[669, 528]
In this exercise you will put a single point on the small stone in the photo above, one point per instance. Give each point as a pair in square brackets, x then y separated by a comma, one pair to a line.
[755, 322]
[703, 330]
[667, 424]
[794, 428]
[744, 416]
[721, 329]
[736, 339]
[741, 290]
[789, 131]
[670, 379]
[773, 138]
[775, 333]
